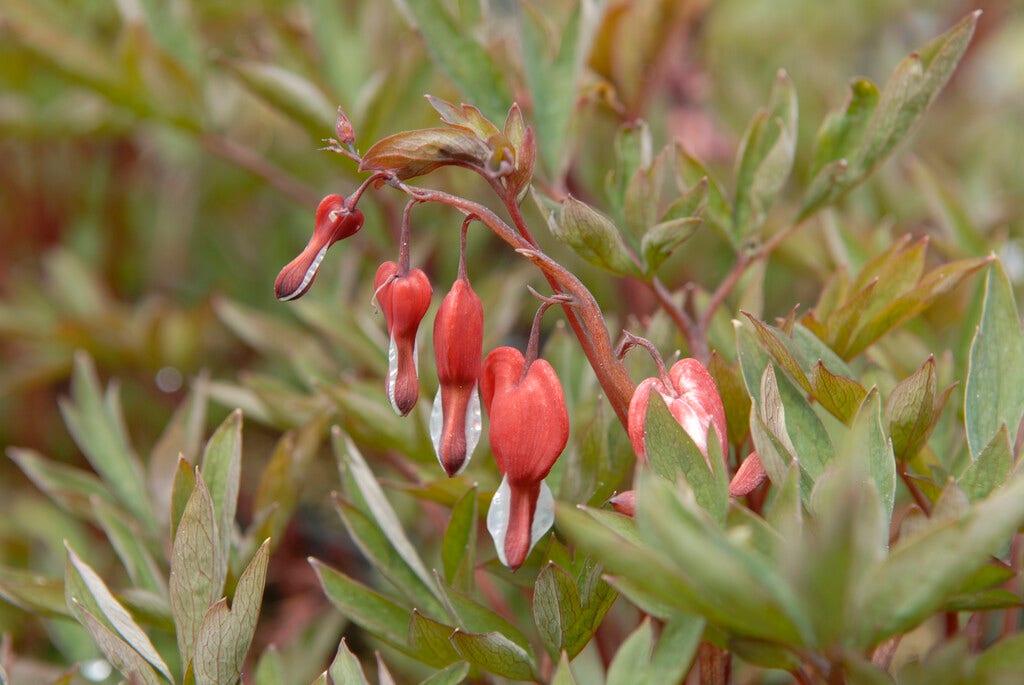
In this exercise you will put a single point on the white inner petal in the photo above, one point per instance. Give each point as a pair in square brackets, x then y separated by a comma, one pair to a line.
[308, 276]
[498, 515]
[392, 372]
[474, 423]
[436, 424]
[497, 519]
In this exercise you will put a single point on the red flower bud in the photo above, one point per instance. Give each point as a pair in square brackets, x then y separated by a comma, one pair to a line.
[334, 222]
[691, 397]
[458, 346]
[748, 476]
[624, 503]
[404, 299]
[529, 428]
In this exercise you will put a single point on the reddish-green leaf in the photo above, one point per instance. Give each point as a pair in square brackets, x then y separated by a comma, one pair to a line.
[495, 653]
[415, 153]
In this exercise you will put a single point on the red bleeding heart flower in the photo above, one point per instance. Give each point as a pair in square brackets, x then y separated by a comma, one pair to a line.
[334, 221]
[692, 398]
[458, 346]
[404, 299]
[529, 428]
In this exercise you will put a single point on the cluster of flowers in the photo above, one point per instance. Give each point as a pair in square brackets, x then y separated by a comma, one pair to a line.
[521, 394]
[523, 398]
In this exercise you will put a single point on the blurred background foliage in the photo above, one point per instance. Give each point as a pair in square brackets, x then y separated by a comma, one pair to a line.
[160, 165]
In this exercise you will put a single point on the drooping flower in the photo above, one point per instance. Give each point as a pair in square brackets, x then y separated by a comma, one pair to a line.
[334, 221]
[404, 299]
[458, 347]
[692, 398]
[529, 428]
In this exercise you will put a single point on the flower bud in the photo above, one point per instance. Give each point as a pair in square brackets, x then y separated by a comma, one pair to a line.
[624, 503]
[748, 476]
[529, 428]
[691, 397]
[404, 300]
[334, 222]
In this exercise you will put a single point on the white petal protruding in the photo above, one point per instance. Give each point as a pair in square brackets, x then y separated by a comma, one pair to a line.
[498, 514]
[436, 425]
[474, 426]
[474, 423]
[392, 373]
[307, 278]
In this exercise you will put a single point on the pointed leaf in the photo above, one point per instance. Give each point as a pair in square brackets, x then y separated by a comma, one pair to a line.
[290, 92]
[89, 598]
[593, 237]
[70, 487]
[459, 544]
[415, 153]
[369, 609]
[456, 52]
[222, 470]
[428, 641]
[378, 504]
[346, 669]
[225, 634]
[556, 607]
[129, 543]
[994, 393]
[453, 675]
[910, 411]
[662, 239]
[198, 570]
[840, 395]
[495, 653]
[121, 656]
[991, 469]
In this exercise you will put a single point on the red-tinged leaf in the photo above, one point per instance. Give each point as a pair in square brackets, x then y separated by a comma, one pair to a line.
[466, 117]
[771, 342]
[910, 411]
[935, 283]
[845, 320]
[415, 153]
[840, 395]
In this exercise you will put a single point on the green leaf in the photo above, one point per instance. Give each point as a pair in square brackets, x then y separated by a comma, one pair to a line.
[33, 592]
[346, 669]
[991, 469]
[994, 392]
[495, 653]
[662, 239]
[556, 607]
[671, 452]
[676, 648]
[95, 421]
[121, 656]
[717, 212]
[72, 488]
[428, 641]
[476, 618]
[921, 573]
[593, 237]
[383, 557]
[129, 543]
[369, 609]
[1004, 658]
[733, 588]
[563, 674]
[225, 634]
[222, 470]
[198, 570]
[182, 436]
[629, 666]
[734, 398]
[458, 547]
[867, 441]
[89, 598]
[765, 159]
[912, 87]
[453, 675]
[270, 668]
[455, 51]
[553, 64]
[289, 92]
[181, 491]
[377, 503]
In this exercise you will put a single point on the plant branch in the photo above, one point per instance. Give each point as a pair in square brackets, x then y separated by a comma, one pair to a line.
[696, 337]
